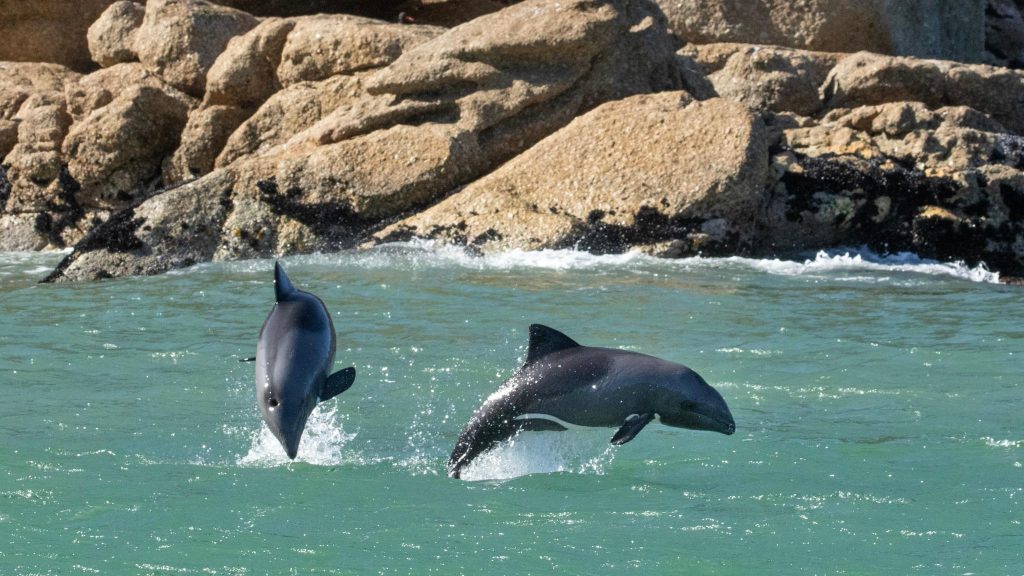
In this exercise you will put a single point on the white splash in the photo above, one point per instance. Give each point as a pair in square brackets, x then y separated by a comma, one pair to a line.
[864, 260]
[849, 264]
[322, 444]
[993, 443]
[580, 452]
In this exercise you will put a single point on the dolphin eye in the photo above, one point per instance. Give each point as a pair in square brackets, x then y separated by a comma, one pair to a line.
[273, 402]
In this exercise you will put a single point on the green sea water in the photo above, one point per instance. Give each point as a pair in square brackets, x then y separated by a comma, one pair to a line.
[879, 405]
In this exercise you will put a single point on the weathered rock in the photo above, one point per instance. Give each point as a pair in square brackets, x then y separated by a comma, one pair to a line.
[19, 80]
[112, 36]
[245, 74]
[1004, 33]
[52, 31]
[938, 142]
[287, 113]
[35, 161]
[18, 233]
[319, 47]
[96, 90]
[177, 228]
[115, 153]
[180, 39]
[947, 29]
[203, 137]
[866, 79]
[440, 115]
[630, 172]
[774, 79]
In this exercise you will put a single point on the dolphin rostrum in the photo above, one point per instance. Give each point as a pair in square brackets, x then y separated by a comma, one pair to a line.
[563, 383]
[294, 358]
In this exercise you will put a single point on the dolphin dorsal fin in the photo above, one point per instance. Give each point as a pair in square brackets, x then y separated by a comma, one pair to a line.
[544, 341]
[282, 285]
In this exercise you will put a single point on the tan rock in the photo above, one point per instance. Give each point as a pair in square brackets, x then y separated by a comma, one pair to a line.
[52, 31]
[245, 74]
[319, 47]
[35, 161]
[112, 36]
[867, 79]
[775, 79]
[20, 80]
[287, 113]
[115, 153]
[629, 172]
[94, 91]
[203, 137]
[18, 233]
[948, 29]
[180, 39]
[442, 114]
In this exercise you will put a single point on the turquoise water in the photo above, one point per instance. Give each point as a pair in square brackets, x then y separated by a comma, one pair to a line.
[878, 405]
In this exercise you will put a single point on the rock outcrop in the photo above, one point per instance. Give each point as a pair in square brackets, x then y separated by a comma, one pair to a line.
[947, 29]
[180, 39]
[633, 171]
[442, 114]
[208, 133]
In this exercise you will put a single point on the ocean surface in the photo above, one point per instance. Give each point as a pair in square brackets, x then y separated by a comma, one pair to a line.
[879, 404]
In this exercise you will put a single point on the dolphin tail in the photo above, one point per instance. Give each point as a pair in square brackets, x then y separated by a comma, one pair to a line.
[337, 383]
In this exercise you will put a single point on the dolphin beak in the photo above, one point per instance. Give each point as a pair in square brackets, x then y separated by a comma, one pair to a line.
[291, 445]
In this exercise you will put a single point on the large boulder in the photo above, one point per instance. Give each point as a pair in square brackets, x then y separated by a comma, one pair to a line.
[52, 31]
[245, 73]
[444, 113]
[631, 172]
[116, 152]
[319, 47]
[180, 39]
[946, 29]
[865, 79]
[774, 79]
[245, 110]
[112, 36]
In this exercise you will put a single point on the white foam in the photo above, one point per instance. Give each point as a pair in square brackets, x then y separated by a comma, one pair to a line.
[583, 452]
[864, 260]
[323, 443]
[850, 264]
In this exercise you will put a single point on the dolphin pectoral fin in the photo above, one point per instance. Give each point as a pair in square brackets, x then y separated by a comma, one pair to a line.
[337, 383]
[631, 427]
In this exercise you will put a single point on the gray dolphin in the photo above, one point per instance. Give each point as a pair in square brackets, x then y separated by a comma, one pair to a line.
[563, 383]
[294, 356]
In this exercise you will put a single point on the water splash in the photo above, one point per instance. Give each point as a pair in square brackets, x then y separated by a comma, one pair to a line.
[580, 452]
[851, 264]
[323, 443]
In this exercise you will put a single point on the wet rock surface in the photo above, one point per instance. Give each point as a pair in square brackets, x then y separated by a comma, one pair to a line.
[248, 128]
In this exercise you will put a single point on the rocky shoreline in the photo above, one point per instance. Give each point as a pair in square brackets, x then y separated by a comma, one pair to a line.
[202, 132]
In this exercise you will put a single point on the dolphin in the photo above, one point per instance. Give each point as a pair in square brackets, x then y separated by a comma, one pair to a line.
[564, 384]
[294, 358]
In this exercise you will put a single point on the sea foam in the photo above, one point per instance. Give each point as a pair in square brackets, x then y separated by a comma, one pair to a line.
[841, 264]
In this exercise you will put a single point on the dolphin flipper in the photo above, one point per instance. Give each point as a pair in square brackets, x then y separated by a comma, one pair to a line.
[337, 383]
[631, 427]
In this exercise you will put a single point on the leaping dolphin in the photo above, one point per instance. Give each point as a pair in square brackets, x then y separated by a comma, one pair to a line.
[294, 356]
[563, 383]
